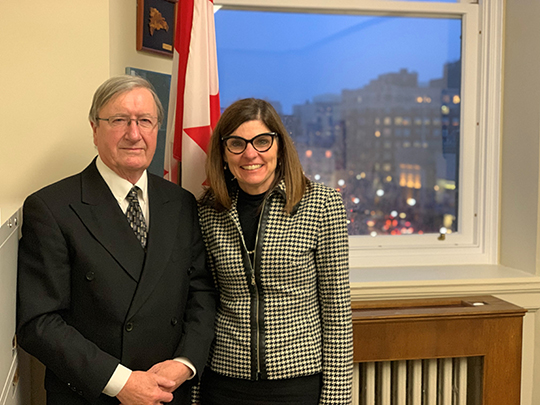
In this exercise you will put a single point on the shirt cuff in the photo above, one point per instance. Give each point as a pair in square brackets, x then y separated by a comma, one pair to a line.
[188, 363]
[117, 381]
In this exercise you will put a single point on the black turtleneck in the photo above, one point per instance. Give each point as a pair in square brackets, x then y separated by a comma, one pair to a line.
[249, 211]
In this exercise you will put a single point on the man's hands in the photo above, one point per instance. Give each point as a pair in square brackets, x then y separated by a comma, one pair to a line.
[172, 370]
[145, 388]
[155, 386]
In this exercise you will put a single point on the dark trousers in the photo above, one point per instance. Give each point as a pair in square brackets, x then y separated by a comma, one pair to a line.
[220, 390]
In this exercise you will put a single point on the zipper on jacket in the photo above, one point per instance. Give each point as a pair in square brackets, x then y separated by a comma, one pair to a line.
[257, 298]
[256, 290]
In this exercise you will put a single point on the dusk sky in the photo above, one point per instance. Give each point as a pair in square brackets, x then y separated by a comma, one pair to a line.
[293, 57]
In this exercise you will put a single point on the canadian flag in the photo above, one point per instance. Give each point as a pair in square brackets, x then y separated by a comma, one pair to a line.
[194, 97]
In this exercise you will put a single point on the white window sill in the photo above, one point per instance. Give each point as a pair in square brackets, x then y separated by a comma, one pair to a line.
[437, 281]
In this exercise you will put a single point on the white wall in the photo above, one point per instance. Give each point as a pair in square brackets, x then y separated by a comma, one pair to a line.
[520, 230]
[53, 56]
[520, 139]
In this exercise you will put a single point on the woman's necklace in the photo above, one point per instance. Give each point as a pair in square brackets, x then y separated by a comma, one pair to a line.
[250, 213]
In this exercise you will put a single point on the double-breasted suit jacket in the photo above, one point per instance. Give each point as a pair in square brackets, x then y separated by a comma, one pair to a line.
[89, 297]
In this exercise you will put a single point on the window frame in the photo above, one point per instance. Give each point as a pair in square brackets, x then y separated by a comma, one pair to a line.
[477, 239]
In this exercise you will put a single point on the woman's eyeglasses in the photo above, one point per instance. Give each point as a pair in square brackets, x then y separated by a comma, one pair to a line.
[261, 142]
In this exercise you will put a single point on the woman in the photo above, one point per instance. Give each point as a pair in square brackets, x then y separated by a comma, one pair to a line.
[278, 249]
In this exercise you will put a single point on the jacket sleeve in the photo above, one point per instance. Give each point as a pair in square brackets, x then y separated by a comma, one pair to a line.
[200, 310]
[43, 294]
[334, 295]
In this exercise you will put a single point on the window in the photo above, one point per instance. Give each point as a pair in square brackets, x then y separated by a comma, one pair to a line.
[384, 103]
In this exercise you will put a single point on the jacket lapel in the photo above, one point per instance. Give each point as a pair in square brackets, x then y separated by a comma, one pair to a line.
[162, 236]
[102, 216]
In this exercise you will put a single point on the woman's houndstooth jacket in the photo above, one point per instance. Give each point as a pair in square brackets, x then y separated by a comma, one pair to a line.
[289, 314]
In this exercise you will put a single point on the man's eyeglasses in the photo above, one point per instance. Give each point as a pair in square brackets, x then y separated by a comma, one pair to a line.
[123, 121]
[261, 142]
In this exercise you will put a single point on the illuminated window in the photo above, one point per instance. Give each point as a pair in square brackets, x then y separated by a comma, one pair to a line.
[365, 94]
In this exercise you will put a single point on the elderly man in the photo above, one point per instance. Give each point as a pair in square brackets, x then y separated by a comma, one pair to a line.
[114, 296]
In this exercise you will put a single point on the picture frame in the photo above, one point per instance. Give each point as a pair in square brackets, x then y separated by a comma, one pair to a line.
[156, 22]
[162, 87]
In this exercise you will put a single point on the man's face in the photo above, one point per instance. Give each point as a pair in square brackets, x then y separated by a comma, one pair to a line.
[128, 151]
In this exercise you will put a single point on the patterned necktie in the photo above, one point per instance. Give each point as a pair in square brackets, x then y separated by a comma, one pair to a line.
[135, 216]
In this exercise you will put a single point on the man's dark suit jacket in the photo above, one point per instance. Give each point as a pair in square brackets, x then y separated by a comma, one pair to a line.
[88, 296]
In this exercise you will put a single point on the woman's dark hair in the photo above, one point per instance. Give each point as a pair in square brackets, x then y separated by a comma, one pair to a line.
[288, 167]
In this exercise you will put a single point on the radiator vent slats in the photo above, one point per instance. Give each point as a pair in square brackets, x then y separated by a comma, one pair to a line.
[444, 381]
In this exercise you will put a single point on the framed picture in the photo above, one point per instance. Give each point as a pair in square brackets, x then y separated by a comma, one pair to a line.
[156, 21]
[162, 86]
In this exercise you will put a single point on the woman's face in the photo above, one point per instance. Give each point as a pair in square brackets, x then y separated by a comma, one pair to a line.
[255, 171]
